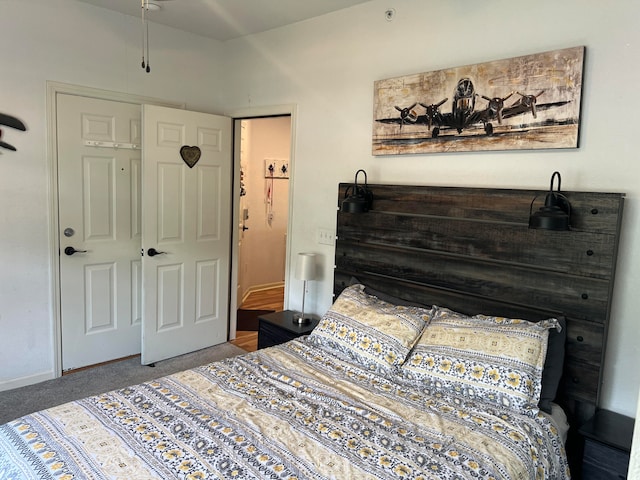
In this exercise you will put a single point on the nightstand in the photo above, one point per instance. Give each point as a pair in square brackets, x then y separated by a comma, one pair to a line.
[607, 446]
[279, 327]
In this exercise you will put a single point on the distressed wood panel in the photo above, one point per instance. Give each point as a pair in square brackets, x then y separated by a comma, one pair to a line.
[587, 253]
[494, 205]
[584, 297]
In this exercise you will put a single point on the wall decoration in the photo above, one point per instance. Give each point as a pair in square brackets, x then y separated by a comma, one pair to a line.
[13, 122]
[190, 155]
[528, 102]
[276, 168]
[273, 170]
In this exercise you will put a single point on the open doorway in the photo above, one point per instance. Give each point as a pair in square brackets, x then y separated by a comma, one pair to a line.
[263, 203]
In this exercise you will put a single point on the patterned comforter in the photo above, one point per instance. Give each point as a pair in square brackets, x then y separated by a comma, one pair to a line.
[288, 412]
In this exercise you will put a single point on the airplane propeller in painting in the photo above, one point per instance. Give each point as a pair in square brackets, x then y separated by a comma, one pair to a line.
[528, 101]
[433, 112]
[407, 115]
[496, 106]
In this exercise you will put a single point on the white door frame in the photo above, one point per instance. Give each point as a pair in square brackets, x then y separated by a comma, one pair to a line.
[247, 114]
[53, 88]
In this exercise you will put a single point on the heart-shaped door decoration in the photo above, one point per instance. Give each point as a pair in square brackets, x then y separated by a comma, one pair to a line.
[190, 155]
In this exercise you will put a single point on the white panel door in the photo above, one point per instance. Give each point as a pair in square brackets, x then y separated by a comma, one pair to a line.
[99, 183]
[186, 233]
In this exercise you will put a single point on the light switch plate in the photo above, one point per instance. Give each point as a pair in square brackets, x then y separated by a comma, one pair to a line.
[325, 236]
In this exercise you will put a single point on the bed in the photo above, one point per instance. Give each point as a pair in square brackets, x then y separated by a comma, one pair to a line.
[408, 375]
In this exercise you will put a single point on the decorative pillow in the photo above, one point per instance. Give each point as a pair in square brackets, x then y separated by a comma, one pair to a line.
[372, 332]
[494, 359]
[553, 365]
[387, 297]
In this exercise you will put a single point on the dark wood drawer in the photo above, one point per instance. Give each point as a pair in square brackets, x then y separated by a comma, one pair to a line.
[601, 462]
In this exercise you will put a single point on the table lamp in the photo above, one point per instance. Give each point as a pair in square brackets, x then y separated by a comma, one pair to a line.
[305, 271]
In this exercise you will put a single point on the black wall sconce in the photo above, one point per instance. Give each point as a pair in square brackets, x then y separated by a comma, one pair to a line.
[357, 199]
[556, 212]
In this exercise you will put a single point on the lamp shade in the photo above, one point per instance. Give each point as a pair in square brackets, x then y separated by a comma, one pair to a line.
[554, 215]
[357, 199]
[306, 266]
[556, 212]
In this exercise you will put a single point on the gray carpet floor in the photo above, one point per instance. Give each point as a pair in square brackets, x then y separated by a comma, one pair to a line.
[32, 398]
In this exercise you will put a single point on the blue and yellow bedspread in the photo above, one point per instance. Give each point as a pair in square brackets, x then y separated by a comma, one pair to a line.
[289, 412]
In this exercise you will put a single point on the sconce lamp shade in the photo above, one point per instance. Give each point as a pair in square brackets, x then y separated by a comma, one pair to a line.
[306, 266]
[360, 198]
[556, 212]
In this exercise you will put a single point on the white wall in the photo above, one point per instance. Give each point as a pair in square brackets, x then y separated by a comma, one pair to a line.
[327, 67]
[71, 42]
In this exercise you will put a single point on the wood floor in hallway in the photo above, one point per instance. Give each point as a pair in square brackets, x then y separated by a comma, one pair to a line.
[268, 299]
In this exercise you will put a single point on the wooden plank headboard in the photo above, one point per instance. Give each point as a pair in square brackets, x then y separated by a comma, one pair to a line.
[470, 249]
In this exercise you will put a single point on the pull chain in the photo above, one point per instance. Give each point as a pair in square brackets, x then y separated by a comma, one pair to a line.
[145, 37]
[148, 56]
[142, 31]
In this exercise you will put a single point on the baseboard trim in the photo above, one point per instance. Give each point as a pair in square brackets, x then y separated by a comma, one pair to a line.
[24, 381]
[260, 288]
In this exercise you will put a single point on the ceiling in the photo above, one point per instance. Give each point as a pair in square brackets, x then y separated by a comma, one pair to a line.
[227, 19]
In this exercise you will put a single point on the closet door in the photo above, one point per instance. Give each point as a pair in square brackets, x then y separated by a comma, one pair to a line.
[99, 229]
[186, 234]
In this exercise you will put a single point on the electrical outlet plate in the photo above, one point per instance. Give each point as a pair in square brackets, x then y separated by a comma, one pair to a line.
[276, 168]
[324, 236]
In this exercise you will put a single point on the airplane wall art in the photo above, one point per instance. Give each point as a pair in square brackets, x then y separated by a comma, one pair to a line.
[528, 102]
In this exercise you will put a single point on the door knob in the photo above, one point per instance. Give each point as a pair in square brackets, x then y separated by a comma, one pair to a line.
[152, 252]
[244, 228]
[71, 251]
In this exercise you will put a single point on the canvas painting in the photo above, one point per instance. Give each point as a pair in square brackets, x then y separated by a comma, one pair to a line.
[528, 102]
